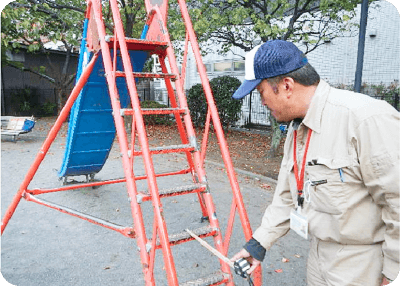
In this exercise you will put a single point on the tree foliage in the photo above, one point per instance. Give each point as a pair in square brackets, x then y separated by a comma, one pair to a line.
[246, 23]
[223, 25]
[228, 108]
[32, 23]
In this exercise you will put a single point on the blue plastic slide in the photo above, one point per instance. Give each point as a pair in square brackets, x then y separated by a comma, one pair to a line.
[91, 130]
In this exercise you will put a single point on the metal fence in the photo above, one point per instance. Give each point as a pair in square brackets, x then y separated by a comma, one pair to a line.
[255, 114]
[40, 102]
[28, 101]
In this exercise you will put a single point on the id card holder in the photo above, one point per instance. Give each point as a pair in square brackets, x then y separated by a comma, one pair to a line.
[299, 223]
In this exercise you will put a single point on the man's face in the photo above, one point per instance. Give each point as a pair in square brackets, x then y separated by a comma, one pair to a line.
[276, 99]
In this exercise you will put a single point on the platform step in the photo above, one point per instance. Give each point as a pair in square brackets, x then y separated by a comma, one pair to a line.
[157, 47]
[216, 278]
[168, 149]
[184, 236]
[150, 111]
[147, 75]
[170, 192]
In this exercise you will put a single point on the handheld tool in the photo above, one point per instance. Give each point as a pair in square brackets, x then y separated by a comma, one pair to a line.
[240, 266]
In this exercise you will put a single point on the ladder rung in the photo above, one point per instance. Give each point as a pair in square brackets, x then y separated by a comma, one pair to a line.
[168, 149]
[181, 190]
[184, 236]
[147, 75]
[149, 111]
[141, 45]
[216, 278]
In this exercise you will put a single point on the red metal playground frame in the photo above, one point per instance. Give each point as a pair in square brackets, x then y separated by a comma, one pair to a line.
[157, 29]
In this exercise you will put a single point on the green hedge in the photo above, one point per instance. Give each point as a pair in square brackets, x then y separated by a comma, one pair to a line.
[155, 118]
[229, 109]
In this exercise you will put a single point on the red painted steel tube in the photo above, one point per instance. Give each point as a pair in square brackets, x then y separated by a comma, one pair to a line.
[190, 132]
[74, 187]
[182, 132]
[47, 143]
[205, 138]
[219, 131]
[126, 231]
[153, 246]
[216, 121]
[184, 61]
[101, 183]
[119, 123]
[228, 231]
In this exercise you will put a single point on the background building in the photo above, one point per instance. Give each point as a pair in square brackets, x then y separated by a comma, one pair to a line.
[335, 61]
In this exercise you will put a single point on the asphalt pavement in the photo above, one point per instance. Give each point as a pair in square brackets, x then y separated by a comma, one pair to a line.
[42, 246]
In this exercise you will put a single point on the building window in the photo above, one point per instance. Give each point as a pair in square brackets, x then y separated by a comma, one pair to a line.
[208, 67]
[222, 66]
[16, 57]
[238, 66]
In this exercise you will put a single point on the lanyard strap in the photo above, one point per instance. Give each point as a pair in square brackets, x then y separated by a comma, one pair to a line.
[300, 178]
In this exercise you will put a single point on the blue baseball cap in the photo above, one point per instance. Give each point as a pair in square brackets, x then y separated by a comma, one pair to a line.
[268, 60]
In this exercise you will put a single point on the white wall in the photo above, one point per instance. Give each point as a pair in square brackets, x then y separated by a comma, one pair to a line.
[336, 62]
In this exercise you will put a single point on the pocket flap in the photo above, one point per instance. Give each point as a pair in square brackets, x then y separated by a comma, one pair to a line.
[334, 163]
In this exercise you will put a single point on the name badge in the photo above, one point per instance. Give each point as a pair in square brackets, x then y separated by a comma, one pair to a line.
[299, 223]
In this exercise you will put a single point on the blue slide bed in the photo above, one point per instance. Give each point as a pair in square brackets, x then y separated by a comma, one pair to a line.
[91, 130]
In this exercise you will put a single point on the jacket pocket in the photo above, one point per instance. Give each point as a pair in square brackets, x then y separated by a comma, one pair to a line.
[331, 196]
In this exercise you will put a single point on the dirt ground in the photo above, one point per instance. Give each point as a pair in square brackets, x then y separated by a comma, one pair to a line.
[248, 148]
[44, 247]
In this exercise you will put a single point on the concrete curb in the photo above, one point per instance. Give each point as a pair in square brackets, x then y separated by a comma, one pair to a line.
[246, 173]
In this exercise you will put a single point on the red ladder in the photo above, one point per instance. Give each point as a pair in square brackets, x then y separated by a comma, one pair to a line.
[155, 40]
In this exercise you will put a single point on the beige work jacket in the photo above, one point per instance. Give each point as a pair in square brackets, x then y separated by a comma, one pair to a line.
[355, 147]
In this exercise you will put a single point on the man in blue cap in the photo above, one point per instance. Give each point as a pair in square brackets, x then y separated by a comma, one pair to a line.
[339, 180]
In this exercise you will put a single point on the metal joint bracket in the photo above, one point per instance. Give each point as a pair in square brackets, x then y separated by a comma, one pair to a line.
[139, 198]
[193, 143]
[148, 247]
[122, 111]
[107, 38]
[207, 189]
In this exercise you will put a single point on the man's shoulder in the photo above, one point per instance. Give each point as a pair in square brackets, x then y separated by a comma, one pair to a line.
[358, 105]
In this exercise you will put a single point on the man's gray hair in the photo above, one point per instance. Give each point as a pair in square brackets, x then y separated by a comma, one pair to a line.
[305, 75]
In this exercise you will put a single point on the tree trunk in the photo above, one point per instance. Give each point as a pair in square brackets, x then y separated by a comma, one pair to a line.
[59, 96]
[276, 138]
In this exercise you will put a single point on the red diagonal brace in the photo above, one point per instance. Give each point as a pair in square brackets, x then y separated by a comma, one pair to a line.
[47, 143]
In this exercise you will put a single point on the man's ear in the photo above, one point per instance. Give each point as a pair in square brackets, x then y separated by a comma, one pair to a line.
[287, 86]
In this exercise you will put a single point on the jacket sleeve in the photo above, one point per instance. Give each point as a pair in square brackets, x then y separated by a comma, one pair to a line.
[378, 149]
[276, 220]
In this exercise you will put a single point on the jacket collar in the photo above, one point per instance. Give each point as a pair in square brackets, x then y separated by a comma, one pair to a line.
[314, 114]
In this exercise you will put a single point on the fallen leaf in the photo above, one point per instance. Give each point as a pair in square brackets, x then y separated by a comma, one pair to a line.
[278, 270]
[265, 186]
[284, 260]
[297, 255]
